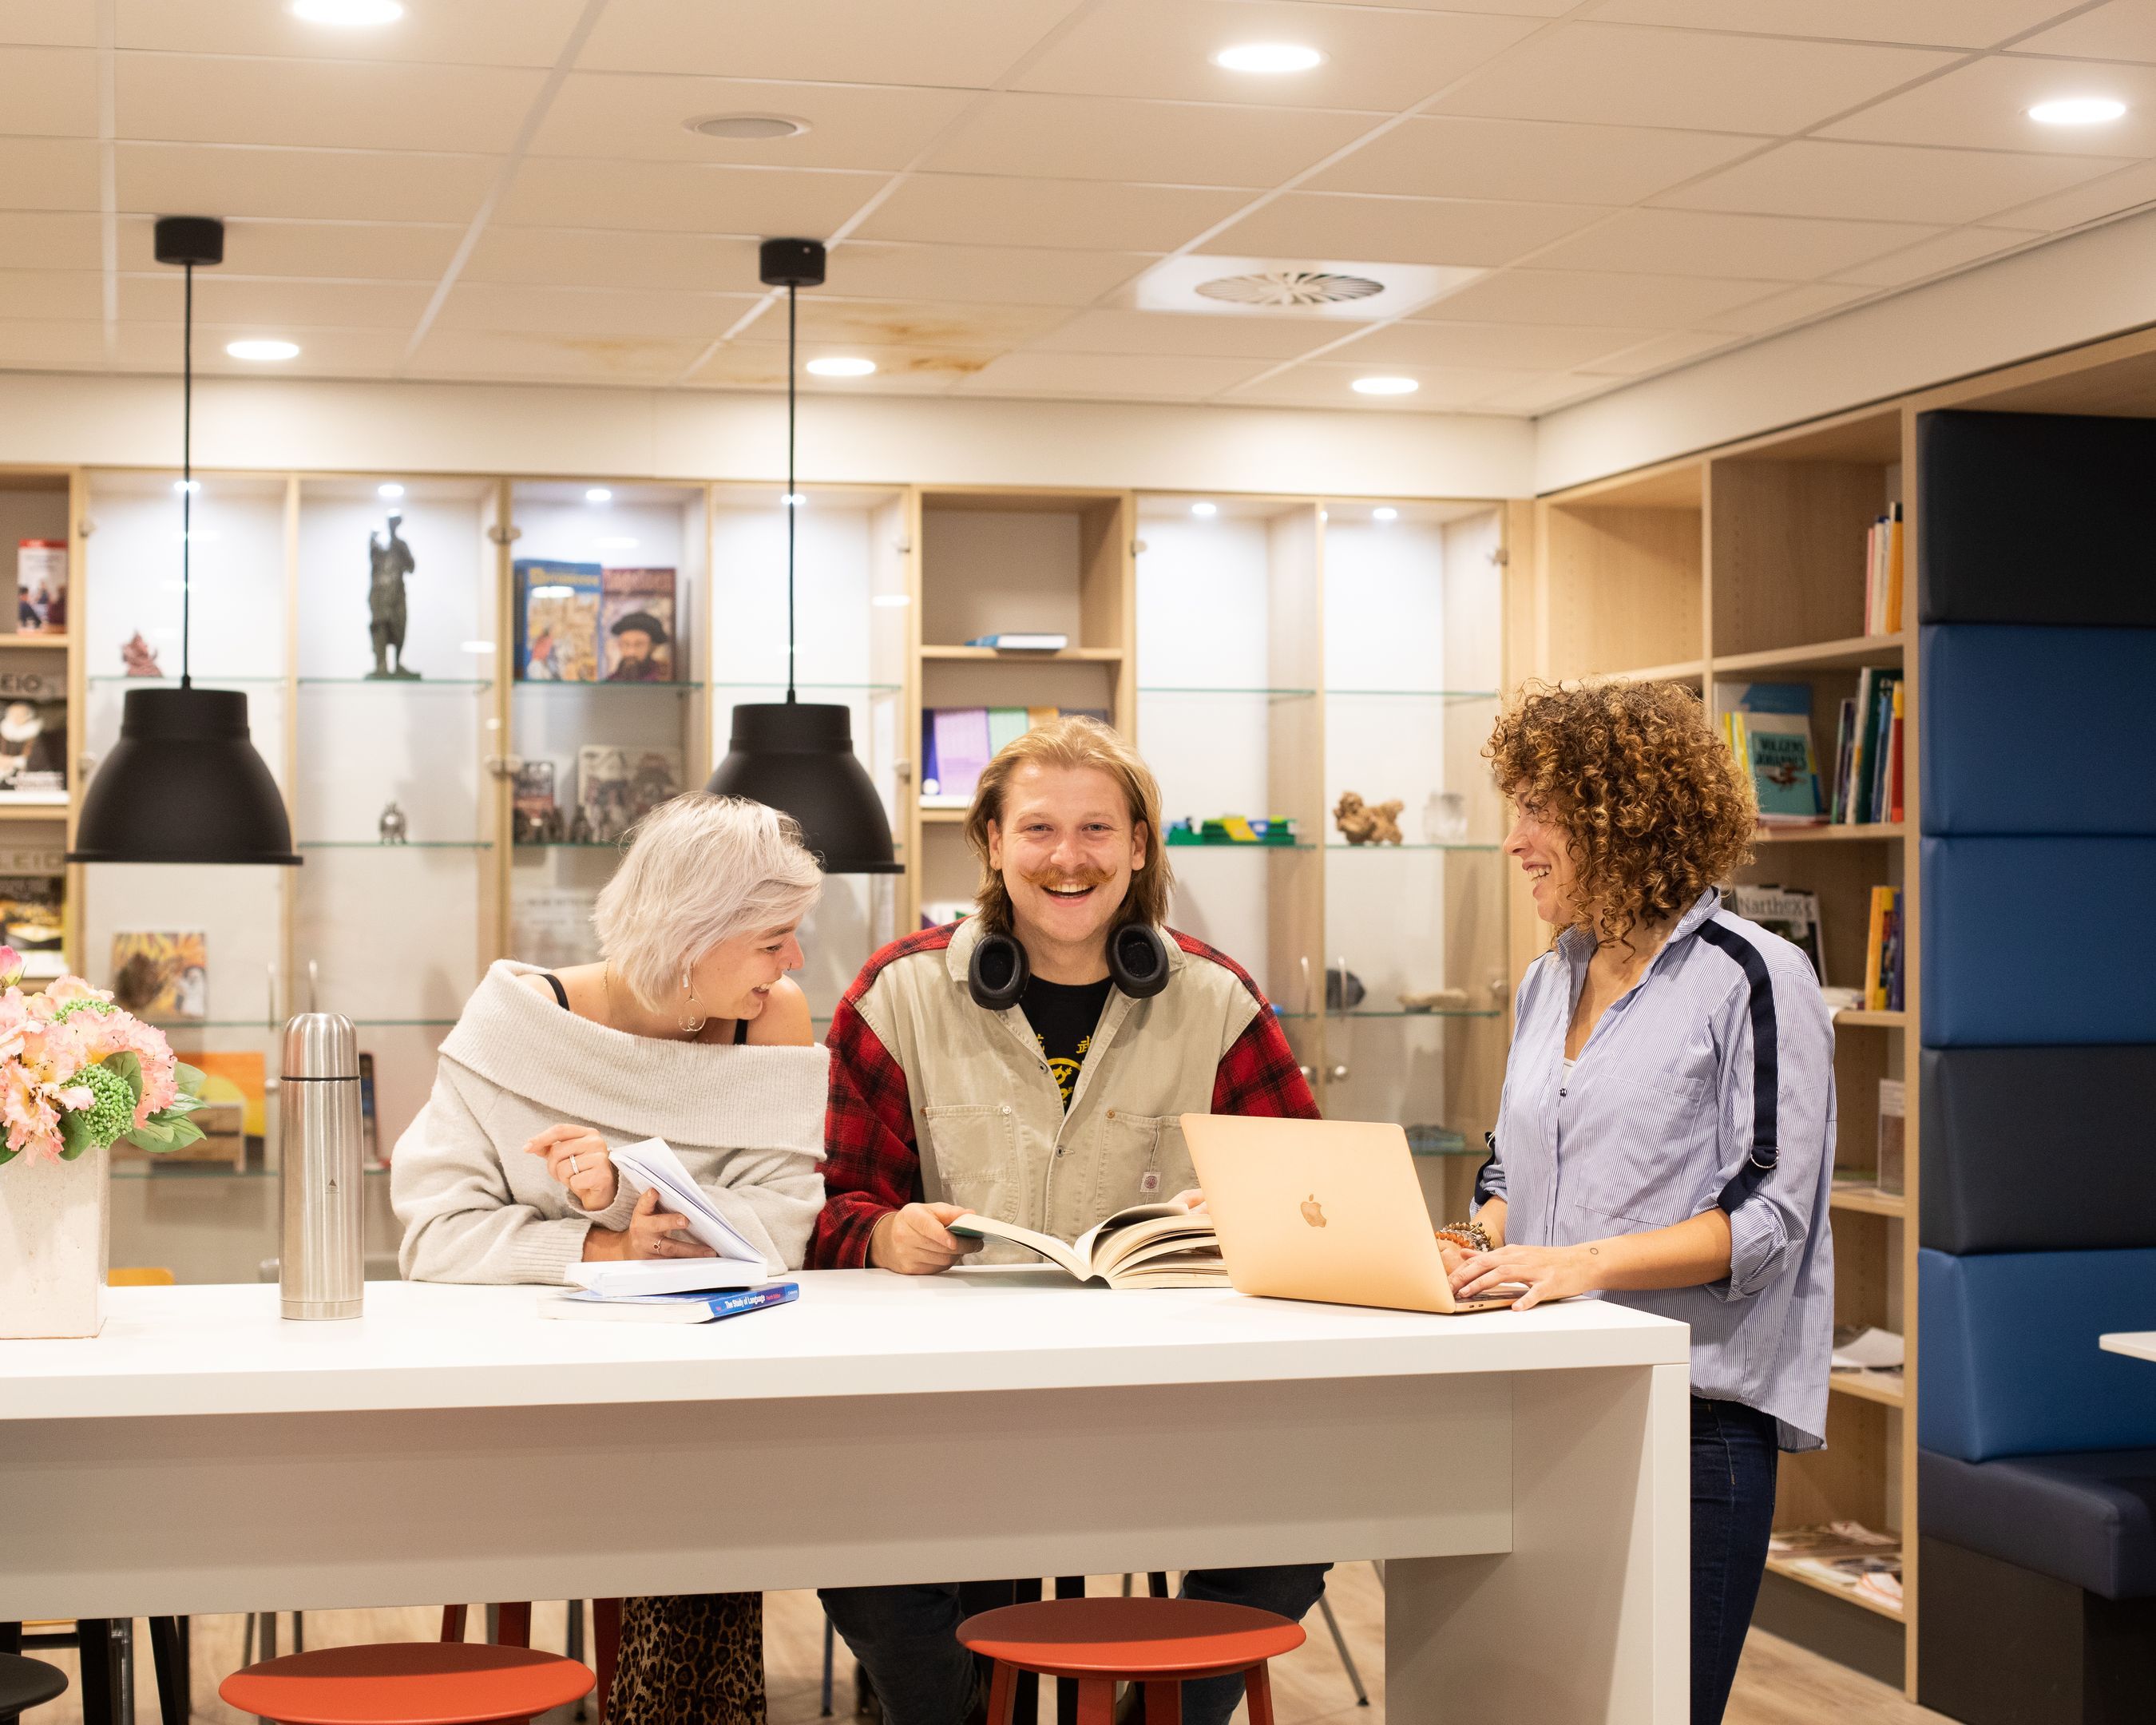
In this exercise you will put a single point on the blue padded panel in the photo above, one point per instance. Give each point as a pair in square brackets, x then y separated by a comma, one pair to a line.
[2090, 1519]
[2038, 1149]
[2036, 518]
[2010, 717]
[2039, 941]
[2009, 1364]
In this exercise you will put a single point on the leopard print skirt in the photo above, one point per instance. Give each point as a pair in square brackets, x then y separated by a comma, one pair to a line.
[689, 1659]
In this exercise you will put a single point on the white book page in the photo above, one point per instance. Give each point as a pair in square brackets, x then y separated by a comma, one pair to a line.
[653, 1162]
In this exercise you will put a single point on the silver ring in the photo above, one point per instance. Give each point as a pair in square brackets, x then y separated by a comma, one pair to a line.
[573, 1165]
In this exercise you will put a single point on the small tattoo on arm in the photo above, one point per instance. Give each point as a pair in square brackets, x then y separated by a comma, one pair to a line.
[1594, 1251]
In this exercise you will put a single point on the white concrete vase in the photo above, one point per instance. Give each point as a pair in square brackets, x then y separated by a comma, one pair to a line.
[52, 1246]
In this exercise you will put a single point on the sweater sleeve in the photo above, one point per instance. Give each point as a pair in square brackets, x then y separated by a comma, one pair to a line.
[460, 1221]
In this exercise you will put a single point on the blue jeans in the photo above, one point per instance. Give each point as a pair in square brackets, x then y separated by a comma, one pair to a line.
[1734, 1456]
[907, 1639]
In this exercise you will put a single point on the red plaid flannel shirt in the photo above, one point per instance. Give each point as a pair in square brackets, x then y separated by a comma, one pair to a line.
[873, 1166]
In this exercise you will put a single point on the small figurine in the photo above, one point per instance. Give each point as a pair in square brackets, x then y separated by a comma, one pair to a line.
[139, 659]
[1369, 823]
[391, 560]
[1435, 1000]
[392, 828]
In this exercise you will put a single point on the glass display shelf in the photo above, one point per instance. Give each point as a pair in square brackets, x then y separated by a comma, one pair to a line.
[1470, 845]
[416, 684]
[819, 688]
[1196, 688]
[1197, 850]
[179, 1171]
[404, 844]
[567, 844]
[677, 686]
[201, 679]
[1417, 694]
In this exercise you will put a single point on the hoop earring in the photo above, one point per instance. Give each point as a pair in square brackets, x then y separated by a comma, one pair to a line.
[693, 1018]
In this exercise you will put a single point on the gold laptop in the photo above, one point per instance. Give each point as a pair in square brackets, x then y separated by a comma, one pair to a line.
[1323, 1209]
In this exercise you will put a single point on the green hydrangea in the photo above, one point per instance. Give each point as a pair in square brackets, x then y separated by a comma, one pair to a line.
[113, 1113]
[69, 1008]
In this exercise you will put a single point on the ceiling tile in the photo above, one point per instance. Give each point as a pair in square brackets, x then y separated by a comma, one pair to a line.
[52, 295]
[49, 23]
[1508, 347]
[1984, 105]
[1509, 8]
[1321, 383]
[1672, 349]
[43, 345]
[1701, 243]
[1021, 276]
[1164, 143]
[1949, 251]
[1887, 183]
[483, 33]
[1402, 230]
[555, 192]
[899, 371]
[1376, 58]
[1616, 75]
[155, 347]
[590, 359]
[50, 240]
[2109, 196]
[623, 115]
[1237, 338]
[580, 257]
[49, 173]
[1126, 377]
[856, 323]
[1529, 160]
[313, 185]
[179, 98]
[351, 251]
[968, 209]
[2123, 30]
[1568, 297]
[959, 44]
[1542, 393]
[1778, 310]
[1947, 24]
[48, 92]
[256, 307]
[664, 314]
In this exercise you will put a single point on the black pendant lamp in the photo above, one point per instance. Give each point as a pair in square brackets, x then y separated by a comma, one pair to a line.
[183, 784]
[798, 756]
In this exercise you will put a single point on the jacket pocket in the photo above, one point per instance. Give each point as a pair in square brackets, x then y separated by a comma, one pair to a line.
[1142, 1160]
[1637, 1155]
[975, 1144]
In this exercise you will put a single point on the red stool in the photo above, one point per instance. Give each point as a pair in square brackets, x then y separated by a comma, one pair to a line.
[1162, 1644]
[407, 1683]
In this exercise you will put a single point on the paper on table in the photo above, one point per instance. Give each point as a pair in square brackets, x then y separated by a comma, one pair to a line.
[653, 1162]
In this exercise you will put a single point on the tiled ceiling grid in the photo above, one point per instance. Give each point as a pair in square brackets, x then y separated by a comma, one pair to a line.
[505, 190]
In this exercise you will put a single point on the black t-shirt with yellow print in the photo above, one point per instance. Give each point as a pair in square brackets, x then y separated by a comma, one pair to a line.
[1063, 1016]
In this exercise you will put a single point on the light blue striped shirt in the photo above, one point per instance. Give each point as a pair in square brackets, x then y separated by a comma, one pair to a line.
[1710, 1082]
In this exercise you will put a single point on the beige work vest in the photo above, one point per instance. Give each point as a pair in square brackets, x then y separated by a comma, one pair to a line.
[990, 1121]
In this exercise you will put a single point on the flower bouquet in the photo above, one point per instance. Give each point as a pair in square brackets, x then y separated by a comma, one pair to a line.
[77, 1075]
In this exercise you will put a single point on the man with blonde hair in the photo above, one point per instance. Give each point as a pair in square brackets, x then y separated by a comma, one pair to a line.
[1031, 1063]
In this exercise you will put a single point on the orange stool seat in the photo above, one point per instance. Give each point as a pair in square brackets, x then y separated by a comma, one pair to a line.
[407, 1683]
[1158, 1643]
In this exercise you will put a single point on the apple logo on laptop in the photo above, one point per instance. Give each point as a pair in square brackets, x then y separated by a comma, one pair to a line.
[1313, 1212]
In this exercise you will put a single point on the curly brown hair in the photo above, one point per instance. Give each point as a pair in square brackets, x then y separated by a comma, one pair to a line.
[1653, 807]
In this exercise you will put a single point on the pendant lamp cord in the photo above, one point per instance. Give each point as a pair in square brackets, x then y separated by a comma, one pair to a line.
[792, 506]
[187, 469]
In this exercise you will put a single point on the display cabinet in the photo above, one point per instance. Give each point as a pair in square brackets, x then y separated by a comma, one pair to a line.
[41, 714]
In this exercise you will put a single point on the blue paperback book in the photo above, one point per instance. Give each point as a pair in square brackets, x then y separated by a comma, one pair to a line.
[698, 1307]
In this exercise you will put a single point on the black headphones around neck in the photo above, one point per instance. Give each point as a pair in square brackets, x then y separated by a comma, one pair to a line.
[1137, 964]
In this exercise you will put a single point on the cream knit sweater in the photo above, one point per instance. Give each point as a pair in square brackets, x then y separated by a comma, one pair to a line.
[747, 1122]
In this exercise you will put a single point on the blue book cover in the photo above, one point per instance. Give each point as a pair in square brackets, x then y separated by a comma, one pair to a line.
[557, 620]
[696, 1306]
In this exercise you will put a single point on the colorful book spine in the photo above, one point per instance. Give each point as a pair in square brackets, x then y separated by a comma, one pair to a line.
[1882, 949]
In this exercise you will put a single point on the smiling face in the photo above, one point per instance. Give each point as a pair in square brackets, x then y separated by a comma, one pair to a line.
[734, 979]
[1067, 847]
[1539, 844]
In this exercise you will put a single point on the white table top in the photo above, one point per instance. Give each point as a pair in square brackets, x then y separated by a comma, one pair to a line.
[2141, 1344]
[225, 1350]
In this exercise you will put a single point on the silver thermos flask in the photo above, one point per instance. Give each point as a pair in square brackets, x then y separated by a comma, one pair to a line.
[321, 1260]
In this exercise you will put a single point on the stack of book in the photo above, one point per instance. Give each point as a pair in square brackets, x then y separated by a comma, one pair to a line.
[957, 743]
[1883, 575]
[1768, 728]
[1846, 1555]
[1867, 778]
[1882, 951]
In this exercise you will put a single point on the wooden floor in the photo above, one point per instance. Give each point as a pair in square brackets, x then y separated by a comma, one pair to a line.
[1779, 1684]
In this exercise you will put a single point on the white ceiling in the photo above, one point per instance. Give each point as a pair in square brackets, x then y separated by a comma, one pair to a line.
[505, 189]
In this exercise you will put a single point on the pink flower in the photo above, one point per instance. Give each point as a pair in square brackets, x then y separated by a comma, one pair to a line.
[10, 966]
[76, 1096]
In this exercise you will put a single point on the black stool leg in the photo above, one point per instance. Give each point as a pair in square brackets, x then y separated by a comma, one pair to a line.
[11, 1641]
[93, 1641]
[171, 1665]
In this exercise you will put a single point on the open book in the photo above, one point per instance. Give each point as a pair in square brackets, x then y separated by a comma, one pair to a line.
[1148, 1246]
[652, 1161]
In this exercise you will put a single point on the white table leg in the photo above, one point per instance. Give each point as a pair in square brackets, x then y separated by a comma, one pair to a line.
[1587, 1618]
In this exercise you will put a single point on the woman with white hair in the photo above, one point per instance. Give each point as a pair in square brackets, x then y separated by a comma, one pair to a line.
[687, 1030]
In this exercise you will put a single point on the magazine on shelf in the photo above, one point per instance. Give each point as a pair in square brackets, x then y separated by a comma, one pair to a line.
[1768, 727]
[159, 976]
[558, 621]
[1791, 912]
[34, 752]
[638, 625]
[617, 787]
[1148, 1246]
[41, 587]
[33, 920]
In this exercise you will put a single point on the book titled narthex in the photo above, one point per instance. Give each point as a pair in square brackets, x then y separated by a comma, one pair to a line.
[1148, 1246]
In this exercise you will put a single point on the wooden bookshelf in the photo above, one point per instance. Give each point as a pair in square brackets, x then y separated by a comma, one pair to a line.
[1860, 1017]
[56, 643]
[1782, 1567]
[1869, 1201]
[1857, 651]
[1884, 1388]
[1833, 831]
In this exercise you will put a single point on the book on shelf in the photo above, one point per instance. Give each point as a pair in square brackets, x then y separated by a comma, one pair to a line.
[1768, 728]
[158, 975]
[33, 749]
[1846, 1555]
[551, 926]
[1147, 1246]
[32, 685]
[957, 743]
[234, 1081]
[693, 1308]
[1023, 641]
[557, 620]
[617, 786]
[1893, 1134]
[1882, 951]
[41, 587]
[1882, 574]
[535, 816]
[370, 1115]
[34, 918]
[639, 624]
[1868, 774]
[1791, 912]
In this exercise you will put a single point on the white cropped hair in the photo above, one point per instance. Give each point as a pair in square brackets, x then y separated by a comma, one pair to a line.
[700, 869]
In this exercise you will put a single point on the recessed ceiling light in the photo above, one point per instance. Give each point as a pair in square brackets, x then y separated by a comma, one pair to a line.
[2076, 110]
[1385, 512]
[1204, 511]
[1385, 386]
[598, 494]
[389, 490]
[263, 349]
[348, 15]
[619, 542]
[1268, 57]
[793, 500]
[183, 486]
[842, 366]
[747, 128]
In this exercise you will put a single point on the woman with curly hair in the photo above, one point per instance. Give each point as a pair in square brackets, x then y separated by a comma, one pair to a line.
[1665, 1136]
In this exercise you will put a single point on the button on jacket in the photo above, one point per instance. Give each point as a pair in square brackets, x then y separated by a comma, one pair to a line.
[1710, 1082]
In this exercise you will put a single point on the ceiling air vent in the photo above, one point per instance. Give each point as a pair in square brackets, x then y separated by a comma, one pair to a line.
[1289, 287]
